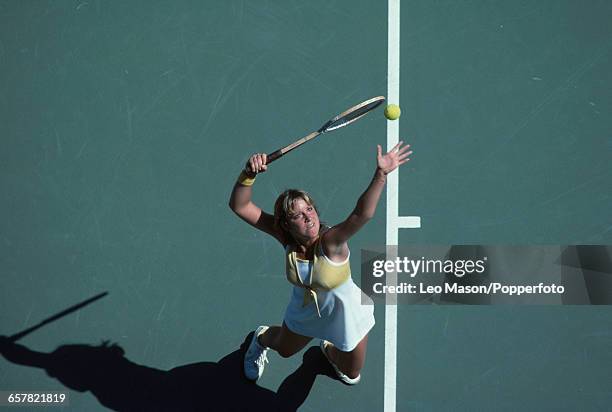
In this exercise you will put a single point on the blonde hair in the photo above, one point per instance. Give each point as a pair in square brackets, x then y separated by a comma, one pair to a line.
[284, 206]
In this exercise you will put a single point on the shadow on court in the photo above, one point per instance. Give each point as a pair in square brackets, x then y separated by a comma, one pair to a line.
[122, 385]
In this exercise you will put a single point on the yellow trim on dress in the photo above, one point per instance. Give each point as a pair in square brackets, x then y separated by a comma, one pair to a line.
[323, 274]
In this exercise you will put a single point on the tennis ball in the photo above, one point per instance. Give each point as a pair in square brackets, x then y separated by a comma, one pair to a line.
[392, 112]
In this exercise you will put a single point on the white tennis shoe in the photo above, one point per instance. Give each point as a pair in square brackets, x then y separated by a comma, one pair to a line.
[344, 378]
[255, 357]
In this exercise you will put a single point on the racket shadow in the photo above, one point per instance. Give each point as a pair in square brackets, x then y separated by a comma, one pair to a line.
[122, 385]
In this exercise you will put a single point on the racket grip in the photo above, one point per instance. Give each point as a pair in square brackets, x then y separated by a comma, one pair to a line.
[273, 156]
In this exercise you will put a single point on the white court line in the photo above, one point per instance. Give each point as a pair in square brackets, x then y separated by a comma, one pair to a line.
[392, 205]
[394, 221]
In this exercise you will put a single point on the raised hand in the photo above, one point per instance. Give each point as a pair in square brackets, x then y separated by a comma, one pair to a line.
[394, 158]
[256, 164]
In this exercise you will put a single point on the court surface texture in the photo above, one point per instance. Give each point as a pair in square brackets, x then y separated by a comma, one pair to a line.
[126, 124]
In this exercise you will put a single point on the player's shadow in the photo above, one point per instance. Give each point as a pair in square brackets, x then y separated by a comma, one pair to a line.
[122, 385]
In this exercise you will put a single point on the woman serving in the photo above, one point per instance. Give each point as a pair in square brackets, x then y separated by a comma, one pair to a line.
[325, 302]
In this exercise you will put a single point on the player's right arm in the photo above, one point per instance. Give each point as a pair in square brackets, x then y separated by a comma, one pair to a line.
[240, 200]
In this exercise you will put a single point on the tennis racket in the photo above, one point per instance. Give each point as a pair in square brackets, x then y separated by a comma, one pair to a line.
[343, 119]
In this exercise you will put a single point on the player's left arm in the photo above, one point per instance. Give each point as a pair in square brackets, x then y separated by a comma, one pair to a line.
[334, 240]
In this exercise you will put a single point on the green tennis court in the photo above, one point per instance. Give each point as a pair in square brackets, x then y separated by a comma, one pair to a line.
[126, 124]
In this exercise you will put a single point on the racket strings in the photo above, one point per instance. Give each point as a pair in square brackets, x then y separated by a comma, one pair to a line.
[351, 115]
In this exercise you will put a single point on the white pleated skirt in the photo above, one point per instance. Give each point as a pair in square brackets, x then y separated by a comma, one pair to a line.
[344, 320]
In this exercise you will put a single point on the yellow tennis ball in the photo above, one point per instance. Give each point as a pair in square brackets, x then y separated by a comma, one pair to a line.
[393, 112]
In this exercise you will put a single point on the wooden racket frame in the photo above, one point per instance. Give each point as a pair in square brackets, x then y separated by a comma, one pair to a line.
[327, 127]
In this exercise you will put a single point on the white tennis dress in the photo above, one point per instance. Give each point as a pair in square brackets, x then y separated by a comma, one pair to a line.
[335, 313]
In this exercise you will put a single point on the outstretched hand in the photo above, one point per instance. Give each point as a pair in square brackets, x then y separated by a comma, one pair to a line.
[394, 158]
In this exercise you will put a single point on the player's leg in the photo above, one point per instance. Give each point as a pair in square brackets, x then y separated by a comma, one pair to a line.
[350, 363]
[283, 341]
[278, 338]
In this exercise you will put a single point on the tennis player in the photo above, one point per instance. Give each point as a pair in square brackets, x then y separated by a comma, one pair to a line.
[325, 302]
